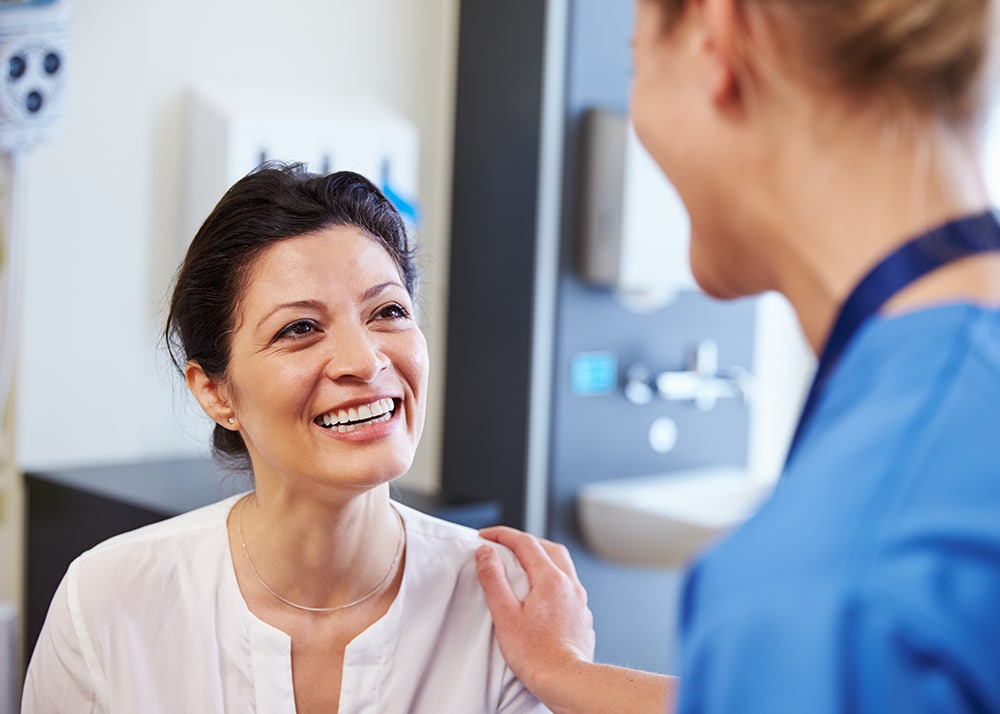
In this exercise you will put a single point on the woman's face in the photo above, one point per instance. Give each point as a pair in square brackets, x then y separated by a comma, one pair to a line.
[678, 121]
[661, 105]
[661, 100]
[328, 368]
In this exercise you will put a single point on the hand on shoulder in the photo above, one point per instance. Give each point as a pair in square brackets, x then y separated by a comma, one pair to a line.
[552, 627]
[548, 637]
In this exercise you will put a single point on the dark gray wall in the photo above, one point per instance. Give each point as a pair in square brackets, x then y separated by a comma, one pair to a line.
[605, 437]
[489, 330]
[499, 94]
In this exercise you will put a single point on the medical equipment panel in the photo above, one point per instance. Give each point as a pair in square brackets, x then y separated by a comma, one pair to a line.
[34, 43]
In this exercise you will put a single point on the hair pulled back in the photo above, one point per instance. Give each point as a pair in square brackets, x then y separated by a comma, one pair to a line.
[272, 203]
[932, 54]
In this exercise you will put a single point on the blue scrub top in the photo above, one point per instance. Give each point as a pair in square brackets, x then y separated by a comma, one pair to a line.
[870, 581]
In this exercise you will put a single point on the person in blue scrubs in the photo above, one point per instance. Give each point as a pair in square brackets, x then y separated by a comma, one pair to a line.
[827, 150]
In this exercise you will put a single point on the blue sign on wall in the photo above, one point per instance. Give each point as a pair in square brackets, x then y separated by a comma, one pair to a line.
[594, 373]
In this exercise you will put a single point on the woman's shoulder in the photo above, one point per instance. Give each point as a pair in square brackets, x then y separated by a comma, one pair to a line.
[427, 526]
[933, 330]
[145, 558]
[435, 542]
[438, 533]
[206, 518]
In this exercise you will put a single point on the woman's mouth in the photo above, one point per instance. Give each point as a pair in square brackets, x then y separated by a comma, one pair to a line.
[345, 420]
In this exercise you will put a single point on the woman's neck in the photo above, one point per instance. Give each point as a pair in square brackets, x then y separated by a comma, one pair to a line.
[850, 197]
[318, 552]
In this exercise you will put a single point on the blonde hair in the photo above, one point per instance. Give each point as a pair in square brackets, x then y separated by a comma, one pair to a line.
[931, 54]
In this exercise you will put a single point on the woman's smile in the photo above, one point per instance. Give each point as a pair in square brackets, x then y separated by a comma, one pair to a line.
[347, 417]
[371, 420]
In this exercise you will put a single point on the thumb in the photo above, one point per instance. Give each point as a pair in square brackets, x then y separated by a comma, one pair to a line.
[499, 597]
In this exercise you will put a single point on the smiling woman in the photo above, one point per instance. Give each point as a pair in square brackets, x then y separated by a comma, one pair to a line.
[292, 324]
[324, 330]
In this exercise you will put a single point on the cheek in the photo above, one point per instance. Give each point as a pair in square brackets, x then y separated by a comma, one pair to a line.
[273, 391]
[421, 364]
[410, 360]
[413, 365]
[655, 120]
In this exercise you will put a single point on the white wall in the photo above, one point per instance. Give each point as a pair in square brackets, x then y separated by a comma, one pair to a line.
[102, 208]
[991, 153]
[783, 366]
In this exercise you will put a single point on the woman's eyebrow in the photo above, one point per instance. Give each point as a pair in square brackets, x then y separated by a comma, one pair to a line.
[297, 304]
[376, 289]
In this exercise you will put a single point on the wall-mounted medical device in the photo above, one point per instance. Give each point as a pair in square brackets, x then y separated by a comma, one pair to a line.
[34, 43]
[34, 40]
[634, 227]
[232, 130]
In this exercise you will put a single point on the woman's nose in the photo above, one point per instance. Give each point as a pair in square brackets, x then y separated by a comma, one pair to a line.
[356, 355]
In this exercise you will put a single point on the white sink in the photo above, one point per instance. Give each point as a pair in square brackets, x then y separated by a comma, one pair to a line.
[664, 521]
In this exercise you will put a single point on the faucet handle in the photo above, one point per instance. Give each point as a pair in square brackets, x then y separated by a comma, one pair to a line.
[639, 387]
[701, 384]
[705, 359]
[744, 383]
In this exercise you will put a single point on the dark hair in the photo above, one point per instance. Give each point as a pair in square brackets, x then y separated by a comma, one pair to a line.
[272, 203]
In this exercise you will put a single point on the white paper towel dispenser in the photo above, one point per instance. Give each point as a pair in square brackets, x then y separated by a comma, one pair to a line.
[234, 128]
[635, 228]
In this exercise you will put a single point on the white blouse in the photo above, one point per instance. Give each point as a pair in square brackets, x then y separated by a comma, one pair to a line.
[153, 621]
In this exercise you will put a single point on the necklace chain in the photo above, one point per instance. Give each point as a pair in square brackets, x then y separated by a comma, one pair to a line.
[377, 588]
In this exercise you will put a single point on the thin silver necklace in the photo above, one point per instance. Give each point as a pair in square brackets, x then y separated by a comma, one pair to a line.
[378, 587]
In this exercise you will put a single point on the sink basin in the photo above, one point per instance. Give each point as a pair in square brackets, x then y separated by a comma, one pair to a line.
[664, 521]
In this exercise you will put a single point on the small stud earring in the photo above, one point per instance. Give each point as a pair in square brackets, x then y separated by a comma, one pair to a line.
[232, 420]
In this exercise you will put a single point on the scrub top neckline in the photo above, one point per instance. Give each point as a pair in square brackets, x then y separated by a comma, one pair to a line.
[923, 254]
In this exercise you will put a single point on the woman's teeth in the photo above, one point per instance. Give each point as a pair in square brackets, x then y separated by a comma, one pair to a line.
[349, 419]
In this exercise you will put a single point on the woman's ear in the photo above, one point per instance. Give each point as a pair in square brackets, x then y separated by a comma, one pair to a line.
[720, 25]
[211, 395]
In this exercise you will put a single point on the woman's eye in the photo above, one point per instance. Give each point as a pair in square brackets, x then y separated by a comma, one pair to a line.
[301, 328]
[392, 312]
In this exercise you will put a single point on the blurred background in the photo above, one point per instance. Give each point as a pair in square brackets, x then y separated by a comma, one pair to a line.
[581, 387]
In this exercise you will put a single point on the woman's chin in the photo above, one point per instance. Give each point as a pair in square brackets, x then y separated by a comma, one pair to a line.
[718, 285]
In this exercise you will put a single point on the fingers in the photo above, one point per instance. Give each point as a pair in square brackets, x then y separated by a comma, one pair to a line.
[505, 535]
[535, 554]
[500, 598]
[559, 554]
[526, 547]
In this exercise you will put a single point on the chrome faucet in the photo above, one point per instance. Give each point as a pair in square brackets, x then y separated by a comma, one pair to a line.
[701, 384]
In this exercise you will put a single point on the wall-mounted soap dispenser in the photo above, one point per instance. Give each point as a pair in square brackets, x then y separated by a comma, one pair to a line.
[634, 228]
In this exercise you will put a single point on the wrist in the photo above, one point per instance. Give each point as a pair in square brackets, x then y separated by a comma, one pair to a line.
[578, 686]
[561, 684]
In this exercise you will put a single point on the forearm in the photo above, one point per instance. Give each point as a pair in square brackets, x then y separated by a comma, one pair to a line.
[586, 687]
